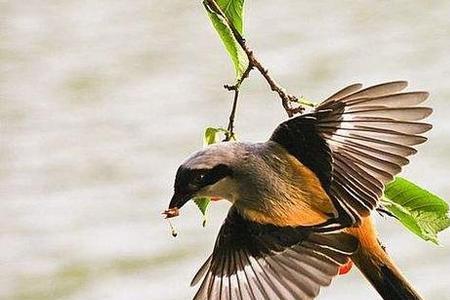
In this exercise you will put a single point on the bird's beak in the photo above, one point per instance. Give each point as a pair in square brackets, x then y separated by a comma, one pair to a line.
[179, 199]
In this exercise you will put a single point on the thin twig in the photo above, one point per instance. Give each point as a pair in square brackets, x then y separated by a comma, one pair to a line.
[253, 62]
[240, 80]
[230, 129]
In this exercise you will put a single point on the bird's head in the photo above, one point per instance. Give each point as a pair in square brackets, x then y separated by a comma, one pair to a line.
[209, 172]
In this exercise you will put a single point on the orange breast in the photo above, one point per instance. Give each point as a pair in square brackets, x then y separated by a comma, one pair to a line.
[306, 202]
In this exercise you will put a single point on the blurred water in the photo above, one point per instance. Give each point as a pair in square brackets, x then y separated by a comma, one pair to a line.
[101, 100]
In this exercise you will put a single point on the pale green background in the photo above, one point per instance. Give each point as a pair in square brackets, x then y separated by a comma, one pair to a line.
[101, 100]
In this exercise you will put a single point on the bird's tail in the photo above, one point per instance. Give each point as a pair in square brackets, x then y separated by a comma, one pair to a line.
[373, 261]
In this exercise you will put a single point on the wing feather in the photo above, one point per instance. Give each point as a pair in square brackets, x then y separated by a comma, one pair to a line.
[345, 92]
[261, 261]
[369, 135]
[378, 90]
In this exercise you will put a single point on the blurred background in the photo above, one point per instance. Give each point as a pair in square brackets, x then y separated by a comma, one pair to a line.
[100, 101]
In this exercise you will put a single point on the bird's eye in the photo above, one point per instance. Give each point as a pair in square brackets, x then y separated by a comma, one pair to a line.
[198, 179]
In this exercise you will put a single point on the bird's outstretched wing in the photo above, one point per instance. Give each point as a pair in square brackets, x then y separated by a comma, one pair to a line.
[256, 261]
[357, 140]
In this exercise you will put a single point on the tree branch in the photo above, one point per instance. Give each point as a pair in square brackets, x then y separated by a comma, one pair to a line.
[253, 62]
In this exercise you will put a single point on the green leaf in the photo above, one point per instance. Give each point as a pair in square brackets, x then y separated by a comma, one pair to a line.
[305, 102]
[203, 204]
[422, 212]
[210, 135]
[233, 11]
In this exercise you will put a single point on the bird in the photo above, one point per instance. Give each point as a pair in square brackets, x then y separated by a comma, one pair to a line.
[302, 202]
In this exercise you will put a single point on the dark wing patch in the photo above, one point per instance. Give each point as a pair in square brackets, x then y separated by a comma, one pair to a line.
[299, 136]
[256, 261]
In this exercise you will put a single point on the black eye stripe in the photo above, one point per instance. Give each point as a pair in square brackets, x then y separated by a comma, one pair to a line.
[189, 179]
[215, 174]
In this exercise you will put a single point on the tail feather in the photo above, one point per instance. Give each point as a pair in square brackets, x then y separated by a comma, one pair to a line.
[384, 276]
[379, 269]
[397, 287]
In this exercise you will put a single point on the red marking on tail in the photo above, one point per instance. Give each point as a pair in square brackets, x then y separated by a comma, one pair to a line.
[344, 269]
